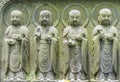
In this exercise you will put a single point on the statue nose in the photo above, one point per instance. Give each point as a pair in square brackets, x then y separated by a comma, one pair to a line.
[106, 17]
[14, 18]
[74, 19]
[44, 18]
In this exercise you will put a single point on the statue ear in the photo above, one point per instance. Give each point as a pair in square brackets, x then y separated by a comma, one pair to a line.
[68, 20]
[99, 20]
[22, 20]
[51, 21]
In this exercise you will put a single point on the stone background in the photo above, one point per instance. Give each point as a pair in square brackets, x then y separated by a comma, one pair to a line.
[60, 5]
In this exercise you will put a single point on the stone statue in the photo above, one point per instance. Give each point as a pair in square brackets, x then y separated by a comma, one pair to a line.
[75, 47]
[105, 47]
[16, 48]
[46, 37]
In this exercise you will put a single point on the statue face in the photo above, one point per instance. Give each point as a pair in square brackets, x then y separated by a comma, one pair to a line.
[74, 18]
[45, 18]
[105, 17]
[16, 17]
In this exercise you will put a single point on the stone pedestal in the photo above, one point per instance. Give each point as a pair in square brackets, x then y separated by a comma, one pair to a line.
[73, 81]
[80, 81]
[45, 81]
[16, 81]
[104, 81]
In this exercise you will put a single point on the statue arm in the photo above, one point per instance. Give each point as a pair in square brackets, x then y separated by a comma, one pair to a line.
[113, 34]
[65, 32]
[95, 50]
[82, 36]
[9, 39]
[66, 50]
[37, 34]
[54, 35]
[25, 47]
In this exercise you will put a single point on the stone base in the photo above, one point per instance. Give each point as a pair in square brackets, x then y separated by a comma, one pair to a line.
[80, 81]
[73, 81]
[104, 81]
[45, 81]
[15, 81]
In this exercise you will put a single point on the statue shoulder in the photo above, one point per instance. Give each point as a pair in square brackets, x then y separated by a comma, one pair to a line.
[24, 29]
[8, 29]
[114, 30]
[98, 27]
[66, 30]
[84, 30]
[38, 29]
[53, 30]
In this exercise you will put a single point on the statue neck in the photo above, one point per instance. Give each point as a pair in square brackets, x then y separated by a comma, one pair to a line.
[104, 26]
[16, 27]
[76, 27]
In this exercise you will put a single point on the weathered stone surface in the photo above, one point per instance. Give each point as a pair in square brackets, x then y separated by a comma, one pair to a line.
[15, 81]
[104, 81]
[31, 10]
[46, 81]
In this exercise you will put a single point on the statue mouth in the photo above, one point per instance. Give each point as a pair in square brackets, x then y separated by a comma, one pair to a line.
[44, 22]
[74, 23]
[106, 22]
[15, 22]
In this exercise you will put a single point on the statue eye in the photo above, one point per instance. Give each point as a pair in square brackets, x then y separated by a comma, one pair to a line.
[108, 16]
[47, 16]
[12, 16]
[42, 16]
[72, 17]
[77, 17]
[17, 17]
[104, 16]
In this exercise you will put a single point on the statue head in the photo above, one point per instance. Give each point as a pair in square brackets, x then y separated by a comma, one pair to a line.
[16, 17]
[45, 18]
[75, 18]
[105, 17]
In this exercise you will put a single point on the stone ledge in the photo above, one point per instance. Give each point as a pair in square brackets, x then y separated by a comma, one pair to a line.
[104, 81]
[16, 81]
[45, 81]
[73, 81]
[80, 81]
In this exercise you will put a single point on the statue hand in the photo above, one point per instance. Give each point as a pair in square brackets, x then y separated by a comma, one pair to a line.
[17, 36]
[100, 33]
[10, 41]
[65, 41]
[78, 37]
[71, 43]
[48, 38]
[109, 36]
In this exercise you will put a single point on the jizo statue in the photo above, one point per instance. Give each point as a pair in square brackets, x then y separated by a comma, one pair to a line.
[46, 37]
[105, 47]
[75, 47]
[16, 48]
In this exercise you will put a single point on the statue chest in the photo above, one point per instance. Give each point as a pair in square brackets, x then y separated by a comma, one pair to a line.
[14, 31]
[74, 32]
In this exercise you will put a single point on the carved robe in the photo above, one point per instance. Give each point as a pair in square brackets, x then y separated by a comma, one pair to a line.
[16, 57]
[76, 56]
[47, 49]
[105, 51]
